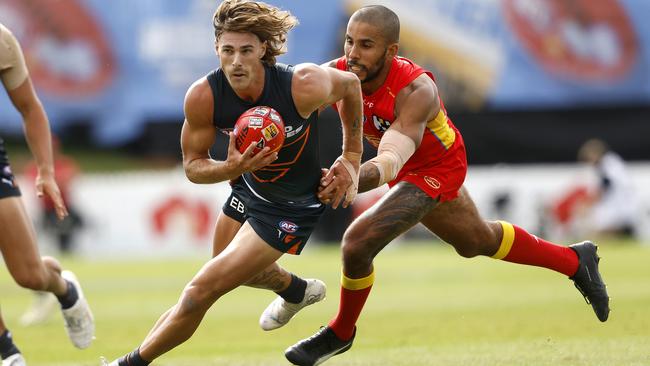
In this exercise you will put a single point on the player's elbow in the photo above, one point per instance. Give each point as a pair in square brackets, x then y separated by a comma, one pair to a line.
[189, 166]
[194, 178]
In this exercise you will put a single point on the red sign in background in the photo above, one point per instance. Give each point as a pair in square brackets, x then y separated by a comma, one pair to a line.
[65, 49]
[581, 39]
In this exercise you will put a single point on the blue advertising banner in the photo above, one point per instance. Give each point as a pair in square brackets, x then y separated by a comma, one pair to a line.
[119, 64]
[514, 54]
[579, 52]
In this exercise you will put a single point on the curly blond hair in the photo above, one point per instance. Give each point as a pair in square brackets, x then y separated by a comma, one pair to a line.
[268, 23]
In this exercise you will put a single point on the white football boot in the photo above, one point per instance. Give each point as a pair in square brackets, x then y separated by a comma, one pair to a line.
[279, 312]
[14, 360]
[79, 322]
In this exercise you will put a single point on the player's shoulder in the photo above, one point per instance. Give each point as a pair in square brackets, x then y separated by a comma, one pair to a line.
[199, 99]
[9, 45]
[408, 73]
[199, 92]
[4, 31]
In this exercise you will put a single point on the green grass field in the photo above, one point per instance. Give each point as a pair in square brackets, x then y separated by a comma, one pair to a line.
[428, 307]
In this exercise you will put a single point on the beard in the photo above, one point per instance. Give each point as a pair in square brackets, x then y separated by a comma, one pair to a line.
[373, 73]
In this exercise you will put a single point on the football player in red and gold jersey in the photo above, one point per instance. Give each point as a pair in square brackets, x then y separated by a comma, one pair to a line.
[421, 155]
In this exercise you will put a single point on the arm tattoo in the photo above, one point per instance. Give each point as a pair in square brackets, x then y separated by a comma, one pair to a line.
[368, 177]
[356, 127]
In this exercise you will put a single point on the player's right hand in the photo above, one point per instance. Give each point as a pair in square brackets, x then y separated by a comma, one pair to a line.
[246, 161]
[340, 183]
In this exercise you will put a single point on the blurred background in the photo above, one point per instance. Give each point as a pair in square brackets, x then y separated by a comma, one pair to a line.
[527, 82]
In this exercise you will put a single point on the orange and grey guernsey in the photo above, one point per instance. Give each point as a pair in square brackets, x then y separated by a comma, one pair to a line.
[379, 112]
[295, 175]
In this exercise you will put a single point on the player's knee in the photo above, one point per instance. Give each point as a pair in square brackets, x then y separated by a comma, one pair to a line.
[354, 245]
[197, 297]
[356, 250]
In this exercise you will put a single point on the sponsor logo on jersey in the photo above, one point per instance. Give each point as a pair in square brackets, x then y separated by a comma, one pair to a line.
[288, 226]
[380, 124]
[255, 122]
[290, 132]
[270, 132]
[432, 182]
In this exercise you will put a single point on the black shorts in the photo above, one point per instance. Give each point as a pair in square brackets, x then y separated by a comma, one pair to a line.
[285, 227]
[8, 186]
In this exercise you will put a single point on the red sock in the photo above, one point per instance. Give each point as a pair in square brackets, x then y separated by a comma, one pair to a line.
[354, 293]
[518, 246]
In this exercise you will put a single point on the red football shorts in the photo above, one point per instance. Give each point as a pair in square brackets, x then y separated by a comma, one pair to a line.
[440, 178]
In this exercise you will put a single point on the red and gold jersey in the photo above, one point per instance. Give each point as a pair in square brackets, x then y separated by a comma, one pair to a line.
[440, 135]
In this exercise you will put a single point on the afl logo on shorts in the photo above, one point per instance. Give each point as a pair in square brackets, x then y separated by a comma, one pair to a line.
[288, 226]
[432, 182]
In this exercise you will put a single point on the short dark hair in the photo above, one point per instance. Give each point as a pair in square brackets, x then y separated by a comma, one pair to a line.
[383, 18]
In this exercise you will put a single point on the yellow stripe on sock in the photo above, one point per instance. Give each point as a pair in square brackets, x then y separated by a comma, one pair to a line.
[357, 283]
[507, 240]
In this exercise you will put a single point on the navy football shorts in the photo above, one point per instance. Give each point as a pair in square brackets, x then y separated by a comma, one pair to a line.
[285, 227]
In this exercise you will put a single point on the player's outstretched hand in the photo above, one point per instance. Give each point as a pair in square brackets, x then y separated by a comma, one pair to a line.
[339, 183]
[246, 161]
[46, 185]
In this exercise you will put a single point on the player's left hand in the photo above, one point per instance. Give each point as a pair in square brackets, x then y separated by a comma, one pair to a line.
[339, 183]
[46, 185]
